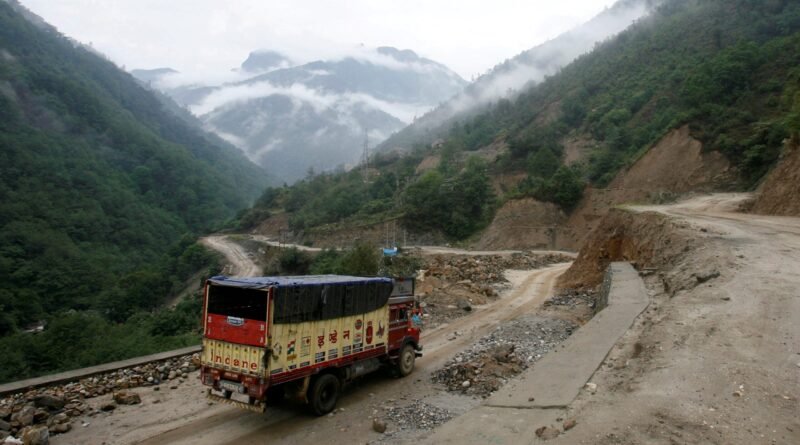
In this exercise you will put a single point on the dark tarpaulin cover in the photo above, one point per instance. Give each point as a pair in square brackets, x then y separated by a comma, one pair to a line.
[317, 297]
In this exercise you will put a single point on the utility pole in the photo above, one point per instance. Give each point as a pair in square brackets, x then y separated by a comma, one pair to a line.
[365, 157]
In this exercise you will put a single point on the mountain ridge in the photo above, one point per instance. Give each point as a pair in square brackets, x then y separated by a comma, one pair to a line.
[318, 114]
[505, 80]
[101, 191]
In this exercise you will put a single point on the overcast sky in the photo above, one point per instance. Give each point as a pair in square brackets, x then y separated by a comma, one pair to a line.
[213, 36]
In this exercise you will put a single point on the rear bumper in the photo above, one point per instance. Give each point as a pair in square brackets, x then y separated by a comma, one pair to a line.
[258, 407]
[250, 386]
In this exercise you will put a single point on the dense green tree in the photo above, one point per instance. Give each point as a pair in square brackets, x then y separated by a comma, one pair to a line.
[362, 259]
[543, 163]
[458, 206]
[102, 190]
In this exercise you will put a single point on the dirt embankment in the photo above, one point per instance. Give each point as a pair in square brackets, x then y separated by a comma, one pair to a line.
[677, 164]
[649, 240]
[779, 194]
[527, 224]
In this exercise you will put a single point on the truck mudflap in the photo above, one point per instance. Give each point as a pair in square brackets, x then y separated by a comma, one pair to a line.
[258, 407]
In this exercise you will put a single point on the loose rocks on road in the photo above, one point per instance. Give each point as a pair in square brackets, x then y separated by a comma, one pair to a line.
[508, 350]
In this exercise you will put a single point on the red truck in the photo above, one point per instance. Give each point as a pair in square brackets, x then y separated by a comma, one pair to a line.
[303, 337]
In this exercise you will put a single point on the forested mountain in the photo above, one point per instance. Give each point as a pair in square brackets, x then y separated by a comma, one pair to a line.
[509, 78]
[727, 69]
[100, 190]
[290, 118]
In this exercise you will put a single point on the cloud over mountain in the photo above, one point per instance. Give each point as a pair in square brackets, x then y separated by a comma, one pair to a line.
[290, 118]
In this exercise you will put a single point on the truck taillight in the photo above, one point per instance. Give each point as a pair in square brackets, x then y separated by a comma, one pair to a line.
[208, 379]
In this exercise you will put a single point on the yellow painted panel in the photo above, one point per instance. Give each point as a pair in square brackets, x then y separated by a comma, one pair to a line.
[233, 357]
[298, 345]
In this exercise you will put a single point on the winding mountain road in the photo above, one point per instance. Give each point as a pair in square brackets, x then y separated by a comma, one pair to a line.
[240, 264]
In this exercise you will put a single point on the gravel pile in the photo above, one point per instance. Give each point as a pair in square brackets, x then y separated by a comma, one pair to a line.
[52, 410]
[573, 298]
[417, 416]
[508, 350]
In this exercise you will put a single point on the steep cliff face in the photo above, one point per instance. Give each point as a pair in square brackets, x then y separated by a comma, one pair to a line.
[779, 194]
[646, 239]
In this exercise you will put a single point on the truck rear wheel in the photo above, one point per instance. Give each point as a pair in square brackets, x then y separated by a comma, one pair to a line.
[324, 393]
[405, 362]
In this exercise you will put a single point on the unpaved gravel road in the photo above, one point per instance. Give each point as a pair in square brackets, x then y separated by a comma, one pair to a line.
[718, 362]
[239, 262]
[182, 416]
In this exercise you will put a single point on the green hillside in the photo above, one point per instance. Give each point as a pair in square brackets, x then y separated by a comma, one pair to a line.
[727, 68]
[101, 189]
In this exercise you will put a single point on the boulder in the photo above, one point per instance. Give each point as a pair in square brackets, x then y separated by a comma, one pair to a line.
[41, 415]
[49, 401]
[24, 417]
[127, 398]
[11, 440]
[464, 304]
[379, 425]
[61, 428]
[547, 432]
[36, 435]
[111, 406]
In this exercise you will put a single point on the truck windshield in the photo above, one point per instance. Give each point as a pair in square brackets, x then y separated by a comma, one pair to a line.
[230, 301]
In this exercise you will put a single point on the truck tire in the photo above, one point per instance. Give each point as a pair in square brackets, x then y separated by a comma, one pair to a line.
[323, 394]
[405, 361]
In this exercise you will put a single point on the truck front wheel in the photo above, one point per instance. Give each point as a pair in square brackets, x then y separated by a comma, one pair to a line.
[405, 362]
[324, 393]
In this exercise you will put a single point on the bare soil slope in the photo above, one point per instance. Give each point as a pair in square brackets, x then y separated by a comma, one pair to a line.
[527, 224]
[648, 240]
[677, 164]
[779, 194]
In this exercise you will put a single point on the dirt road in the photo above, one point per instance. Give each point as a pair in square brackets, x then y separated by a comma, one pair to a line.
[239, 262]
[181, 415]
[719, 361]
